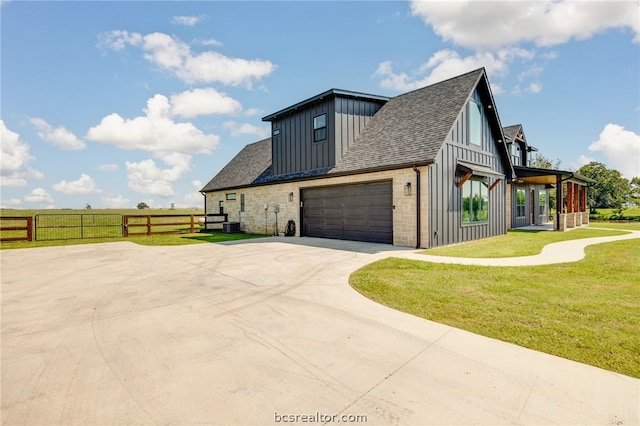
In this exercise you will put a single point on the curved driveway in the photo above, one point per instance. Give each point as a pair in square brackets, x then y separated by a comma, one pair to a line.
[259, 332]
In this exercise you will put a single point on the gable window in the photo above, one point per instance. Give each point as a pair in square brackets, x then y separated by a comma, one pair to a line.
[475, 200]
[475, 123]
[320, 128]
[521, 198]
[515, 154]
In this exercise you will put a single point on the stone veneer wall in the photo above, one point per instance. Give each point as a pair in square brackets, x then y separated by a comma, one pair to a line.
[256, 219]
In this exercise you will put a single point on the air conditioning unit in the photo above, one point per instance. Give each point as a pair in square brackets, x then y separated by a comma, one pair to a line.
[230, 227]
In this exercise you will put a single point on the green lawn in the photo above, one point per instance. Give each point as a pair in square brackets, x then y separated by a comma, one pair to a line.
[631, 226]
[630, 212]
[517, 243]
[152, 240]
[587, 311]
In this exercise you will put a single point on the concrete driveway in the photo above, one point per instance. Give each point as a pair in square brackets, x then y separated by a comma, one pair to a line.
[261, 332]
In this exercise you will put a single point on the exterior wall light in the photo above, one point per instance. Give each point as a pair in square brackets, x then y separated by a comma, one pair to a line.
[407, 189]
[291, 196]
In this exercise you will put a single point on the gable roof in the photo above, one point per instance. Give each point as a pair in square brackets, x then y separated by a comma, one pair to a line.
[252, 161]
[410, 128]
[510, 132]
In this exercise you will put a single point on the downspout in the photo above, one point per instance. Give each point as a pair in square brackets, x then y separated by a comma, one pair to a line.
[415, 169]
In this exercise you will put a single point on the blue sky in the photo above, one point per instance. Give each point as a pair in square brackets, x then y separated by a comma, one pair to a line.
[114, 103]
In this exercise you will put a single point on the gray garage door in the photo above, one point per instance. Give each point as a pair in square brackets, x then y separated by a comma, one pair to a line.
[358, 212]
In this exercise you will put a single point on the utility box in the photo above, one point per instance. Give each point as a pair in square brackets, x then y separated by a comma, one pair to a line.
[230, 227]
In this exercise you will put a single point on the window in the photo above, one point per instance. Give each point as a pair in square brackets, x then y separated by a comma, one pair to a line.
[320, 128]
[475, 201]
[276, 132]
[241, 202]
[475, 123]
[542, 203]
[515, 154]
[521, 198]
[231, 196]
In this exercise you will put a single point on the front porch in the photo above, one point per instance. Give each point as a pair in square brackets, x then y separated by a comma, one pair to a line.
[571, 194]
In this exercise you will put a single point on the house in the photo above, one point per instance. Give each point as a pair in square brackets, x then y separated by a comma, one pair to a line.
[426, 168]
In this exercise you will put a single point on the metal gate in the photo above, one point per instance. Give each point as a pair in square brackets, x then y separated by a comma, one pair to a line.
[77, 226]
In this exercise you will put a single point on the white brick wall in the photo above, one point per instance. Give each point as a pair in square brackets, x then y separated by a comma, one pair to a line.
[254, 219]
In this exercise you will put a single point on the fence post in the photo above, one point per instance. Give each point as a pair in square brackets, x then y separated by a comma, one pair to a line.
[29, 228]
[125, 228]
[192, 231]
[148, 224]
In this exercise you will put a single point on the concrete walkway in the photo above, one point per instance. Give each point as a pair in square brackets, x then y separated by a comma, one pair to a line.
[561, 252]
[258, 332]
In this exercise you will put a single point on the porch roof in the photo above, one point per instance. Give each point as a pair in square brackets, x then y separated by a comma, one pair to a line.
[549, 176]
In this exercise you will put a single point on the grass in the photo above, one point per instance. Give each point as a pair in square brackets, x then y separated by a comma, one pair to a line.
[152, 240]
[517, 243]
[630, 226]
[630, 212]
[586, 311]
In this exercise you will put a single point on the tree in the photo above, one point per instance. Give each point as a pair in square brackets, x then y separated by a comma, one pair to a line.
[142, 205]
[88, 206]
[541, 162]
[611, 190]
[635, 190]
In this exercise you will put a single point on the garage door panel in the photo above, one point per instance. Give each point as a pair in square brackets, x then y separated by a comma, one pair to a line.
[361, 212]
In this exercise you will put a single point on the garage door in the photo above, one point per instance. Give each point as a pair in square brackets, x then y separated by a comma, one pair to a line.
[358, 212]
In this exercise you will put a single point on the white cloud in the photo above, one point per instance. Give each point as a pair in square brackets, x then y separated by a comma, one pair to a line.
[582, 160]
[108, 167]
[194, 198]
[60, 136]
[621, 148]
[155, 131]
[83, 185]
[115, 202]
[14, 159]
[239, 129]
[252, 111]
[39, 195]
[203, 102]
[175, 56]
[482, 25]
[118, 40]
[535, 87]
[211, 42]
[146, 177]
[189, 21]
[11, 203]
[447, 63]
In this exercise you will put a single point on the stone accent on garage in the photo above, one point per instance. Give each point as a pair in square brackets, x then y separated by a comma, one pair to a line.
[256, 219]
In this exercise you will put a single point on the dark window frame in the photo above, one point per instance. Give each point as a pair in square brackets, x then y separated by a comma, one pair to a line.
[320, 132]
[521, 203]
[473, 130]
[230, 196]
[477, 213]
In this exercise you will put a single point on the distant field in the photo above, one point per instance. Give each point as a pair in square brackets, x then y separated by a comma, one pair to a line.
[630, 212]
[32, 213]
[68, 224]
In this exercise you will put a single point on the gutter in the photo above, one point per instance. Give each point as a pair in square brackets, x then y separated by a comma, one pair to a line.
[415, 169]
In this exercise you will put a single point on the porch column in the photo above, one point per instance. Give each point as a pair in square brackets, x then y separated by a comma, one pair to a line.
[584, 198]
[558, 200]
[576, 198]
[569, 197]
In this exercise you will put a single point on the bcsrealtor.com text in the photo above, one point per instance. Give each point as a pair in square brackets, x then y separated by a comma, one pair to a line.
[319, 418]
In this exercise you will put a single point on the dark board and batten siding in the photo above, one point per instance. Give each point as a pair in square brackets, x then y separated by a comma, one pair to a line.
[351, 116]
[445, 198]
[294, 150]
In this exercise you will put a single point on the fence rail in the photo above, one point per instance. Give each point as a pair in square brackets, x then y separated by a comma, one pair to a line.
[160, 224]
[16, 228]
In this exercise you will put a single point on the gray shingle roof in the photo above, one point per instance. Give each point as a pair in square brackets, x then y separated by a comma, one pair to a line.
[245, 167]
[510, 132]
[410, 128]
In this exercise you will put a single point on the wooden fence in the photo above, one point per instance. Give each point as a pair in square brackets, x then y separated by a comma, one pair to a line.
[16, 228]
[160, 224]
